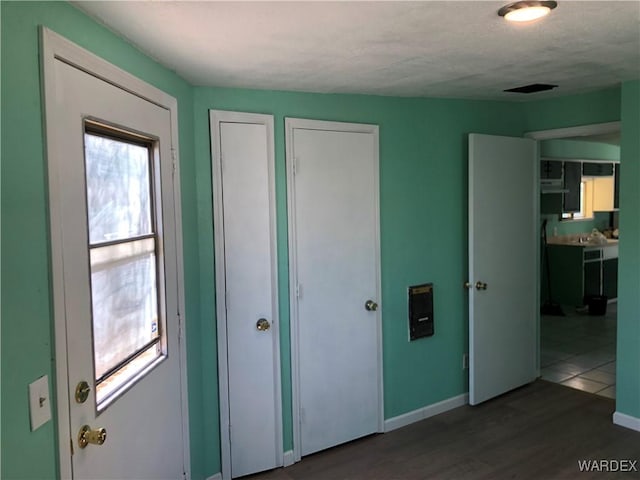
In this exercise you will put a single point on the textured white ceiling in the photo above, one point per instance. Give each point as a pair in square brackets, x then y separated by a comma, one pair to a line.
[428, 48]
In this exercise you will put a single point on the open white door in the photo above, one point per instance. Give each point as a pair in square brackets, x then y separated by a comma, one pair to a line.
[503, 257]
[246, 292]
[116, 253]
[333, 214]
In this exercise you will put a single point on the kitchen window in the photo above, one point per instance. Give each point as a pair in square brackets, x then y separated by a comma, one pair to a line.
[586, 202]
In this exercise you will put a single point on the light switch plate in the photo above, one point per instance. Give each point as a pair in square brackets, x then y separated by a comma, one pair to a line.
[39, 404]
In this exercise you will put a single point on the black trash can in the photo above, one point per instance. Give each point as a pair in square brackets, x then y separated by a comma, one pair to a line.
[597, 304]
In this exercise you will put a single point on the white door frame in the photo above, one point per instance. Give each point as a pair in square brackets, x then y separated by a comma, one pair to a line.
[290, 125]
[54, 47]
[577, 131]
[217, 117]
[559, 133]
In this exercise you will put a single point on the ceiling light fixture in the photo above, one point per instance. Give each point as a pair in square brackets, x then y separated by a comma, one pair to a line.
[525, 11]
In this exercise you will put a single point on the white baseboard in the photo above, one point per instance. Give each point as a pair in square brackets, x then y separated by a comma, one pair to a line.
[626, 421]
[425, 412]
[390, 424]
[288, 458]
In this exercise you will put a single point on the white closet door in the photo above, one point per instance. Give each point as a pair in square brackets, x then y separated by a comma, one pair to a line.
[247, 289]
[335, 214]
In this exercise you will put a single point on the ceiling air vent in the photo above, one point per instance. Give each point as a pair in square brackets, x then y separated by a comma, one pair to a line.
[533, 88]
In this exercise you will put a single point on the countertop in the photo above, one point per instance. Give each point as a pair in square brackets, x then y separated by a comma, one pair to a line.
[611, 242]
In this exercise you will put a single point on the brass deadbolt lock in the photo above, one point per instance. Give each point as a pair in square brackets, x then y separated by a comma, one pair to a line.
[82, 391]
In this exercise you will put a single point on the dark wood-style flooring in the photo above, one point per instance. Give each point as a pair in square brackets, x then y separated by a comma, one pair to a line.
[539, 431]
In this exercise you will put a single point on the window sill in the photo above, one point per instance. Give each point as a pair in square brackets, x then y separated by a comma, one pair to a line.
[587, 219]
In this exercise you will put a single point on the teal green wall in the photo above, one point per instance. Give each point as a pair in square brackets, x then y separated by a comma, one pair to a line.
[27, 331]
[579, 149]
[423, 195]
[573, 110]
[423, 205]
[628, 373]
[571, 227]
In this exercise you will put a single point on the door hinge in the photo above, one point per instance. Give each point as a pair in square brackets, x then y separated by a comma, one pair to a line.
[71, 443]
[296, 165]
[184, 476]
[174, 160]
[180, 328]
[298, 290]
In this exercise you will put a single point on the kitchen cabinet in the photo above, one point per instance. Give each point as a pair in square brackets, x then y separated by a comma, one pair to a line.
[603, 194]
[550, 170]
[616, 186]
[572, 179]
[604, 178]
[551, 204]
[551, 187]
[592, 279]
[599, 169]
[610, 277]
[578, 270]
[560, 185]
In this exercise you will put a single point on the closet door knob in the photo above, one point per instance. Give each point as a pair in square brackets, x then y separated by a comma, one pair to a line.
[263, 325]
[370, 306]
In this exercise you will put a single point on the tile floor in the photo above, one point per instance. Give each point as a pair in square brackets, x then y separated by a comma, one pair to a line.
[579, 350]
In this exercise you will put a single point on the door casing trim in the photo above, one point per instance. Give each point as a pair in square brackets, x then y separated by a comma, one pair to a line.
[577, 131]
[215, 118]
[54, 47]
[290, 125]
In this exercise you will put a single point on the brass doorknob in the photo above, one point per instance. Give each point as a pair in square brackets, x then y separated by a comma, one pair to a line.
[86, 436]
[481, 286]
[370, 306]
[263, 324]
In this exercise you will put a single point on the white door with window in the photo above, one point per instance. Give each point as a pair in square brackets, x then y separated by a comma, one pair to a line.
[503, 258]
[115, 249]
[246, 292]
[335, 282]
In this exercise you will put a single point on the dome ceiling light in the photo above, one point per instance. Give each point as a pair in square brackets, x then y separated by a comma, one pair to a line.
[526, 11]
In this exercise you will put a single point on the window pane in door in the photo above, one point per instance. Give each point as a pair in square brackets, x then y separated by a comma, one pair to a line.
[125, 310]
[125, 259]
[118, 189]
